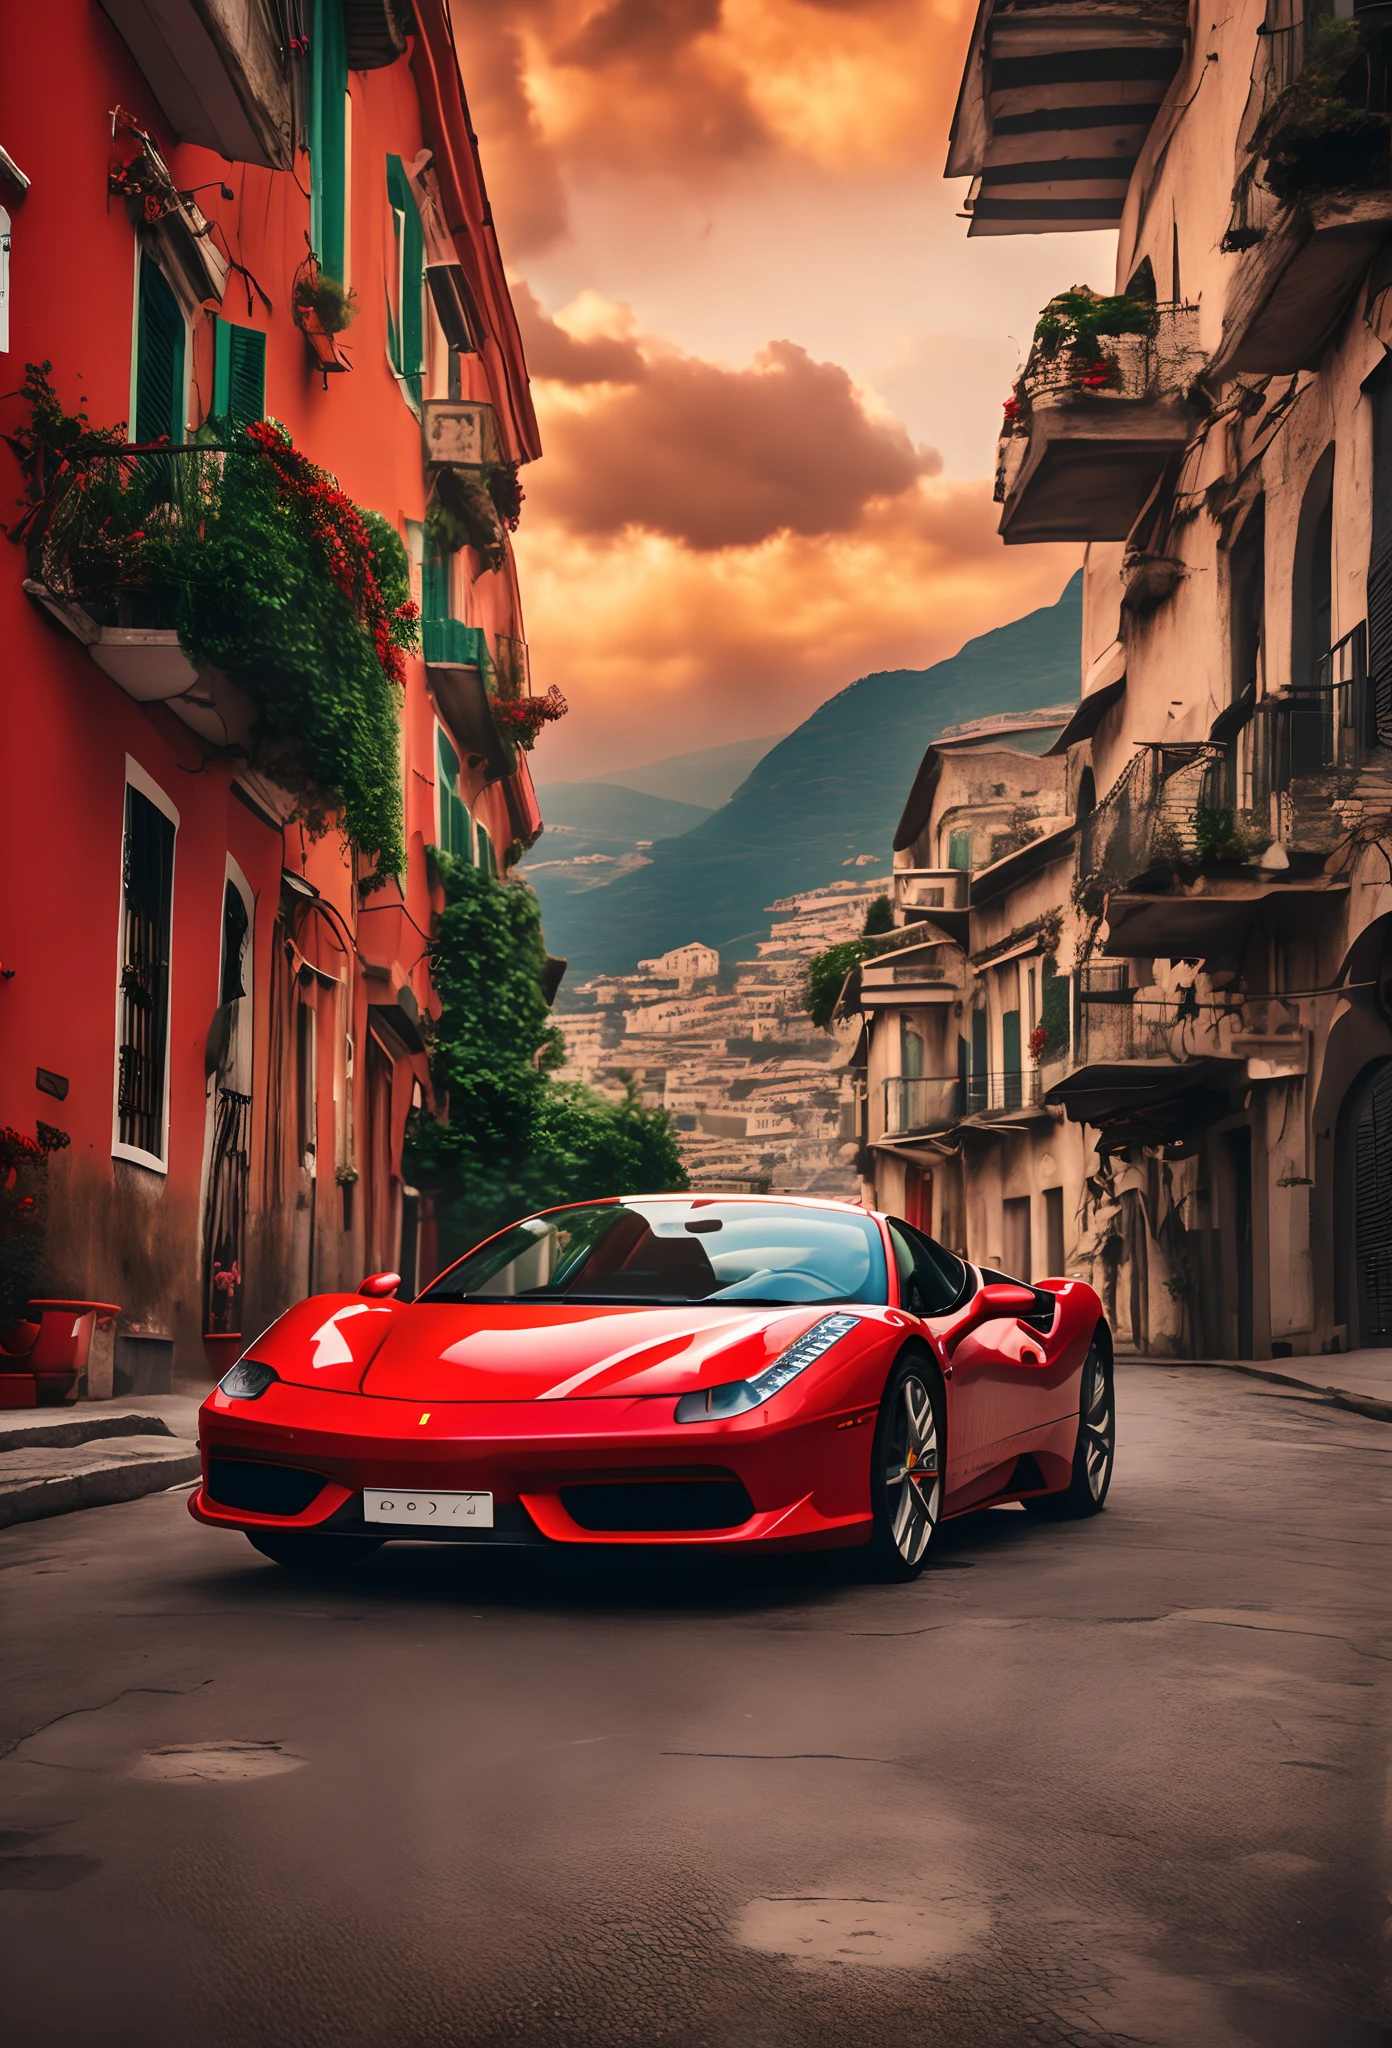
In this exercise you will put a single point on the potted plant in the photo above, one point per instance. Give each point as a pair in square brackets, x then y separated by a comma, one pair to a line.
[323, 308]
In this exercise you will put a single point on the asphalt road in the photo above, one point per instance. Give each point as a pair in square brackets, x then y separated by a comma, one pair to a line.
[1123, 1781]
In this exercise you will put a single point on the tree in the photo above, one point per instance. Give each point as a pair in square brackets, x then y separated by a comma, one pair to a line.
[826, 972]
[511, 1138]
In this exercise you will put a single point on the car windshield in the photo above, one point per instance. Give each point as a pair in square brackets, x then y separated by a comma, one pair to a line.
[761, 1253]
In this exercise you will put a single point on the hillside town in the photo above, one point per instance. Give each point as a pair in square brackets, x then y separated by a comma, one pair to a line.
[760, 1099]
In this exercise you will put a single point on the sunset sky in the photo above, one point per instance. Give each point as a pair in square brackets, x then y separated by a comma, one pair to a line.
[768, 363]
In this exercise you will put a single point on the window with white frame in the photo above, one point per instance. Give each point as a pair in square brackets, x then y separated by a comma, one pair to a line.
[147, 917]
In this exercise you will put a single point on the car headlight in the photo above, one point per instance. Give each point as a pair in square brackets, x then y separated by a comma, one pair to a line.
[247, 1381]
[711, 1404]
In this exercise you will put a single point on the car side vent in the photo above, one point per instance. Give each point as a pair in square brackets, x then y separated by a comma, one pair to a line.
[658, 1507]
[261, 1489]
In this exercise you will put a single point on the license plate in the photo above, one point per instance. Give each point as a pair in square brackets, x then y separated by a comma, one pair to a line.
[429, 1510]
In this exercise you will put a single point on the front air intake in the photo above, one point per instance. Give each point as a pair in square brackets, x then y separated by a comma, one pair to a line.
[661, 1507]
[261, 1489]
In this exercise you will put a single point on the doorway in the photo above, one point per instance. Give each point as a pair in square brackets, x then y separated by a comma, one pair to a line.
[1238, 1145]
[1016, 1249]
[1372, 1209]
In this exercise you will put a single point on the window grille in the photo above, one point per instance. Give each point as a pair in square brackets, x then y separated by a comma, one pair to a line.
[146, 912]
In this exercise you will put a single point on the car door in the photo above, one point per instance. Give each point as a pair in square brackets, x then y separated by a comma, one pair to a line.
[934, 1283]
[1021, 1384]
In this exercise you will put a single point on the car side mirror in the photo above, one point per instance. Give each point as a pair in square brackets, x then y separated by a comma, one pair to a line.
[378, 1285]
[997, 1298]
[1005, 1298]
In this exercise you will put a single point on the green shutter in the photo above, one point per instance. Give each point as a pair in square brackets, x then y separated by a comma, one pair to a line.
[959, 850]
[408, 336]
[455, 836]
[434, 588]
[979, 1053]
[239, 372]
[486, 859]
[328, 87]
[1010, 1041]
[159, 361]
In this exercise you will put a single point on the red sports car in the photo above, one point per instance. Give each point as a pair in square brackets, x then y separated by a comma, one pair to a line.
[767, 1373]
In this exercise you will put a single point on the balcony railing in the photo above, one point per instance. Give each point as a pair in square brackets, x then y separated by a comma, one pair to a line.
[923, 1103]
[1141, 1025]
[1274, 777]
[1089, 430]
[1153, 815]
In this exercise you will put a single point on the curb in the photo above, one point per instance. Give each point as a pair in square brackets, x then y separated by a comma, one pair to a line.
[48, 1480]
[1340, 1397]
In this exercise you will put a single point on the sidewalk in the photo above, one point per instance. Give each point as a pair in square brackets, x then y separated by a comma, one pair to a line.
[1357, 1380]
[91, 1454]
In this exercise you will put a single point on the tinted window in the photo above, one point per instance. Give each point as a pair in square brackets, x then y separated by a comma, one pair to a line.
[931, 1281]
[676, 1251]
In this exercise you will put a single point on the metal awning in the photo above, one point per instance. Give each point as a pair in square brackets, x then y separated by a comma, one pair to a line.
[1198, 927]
[1147, 1094]
[1055, 104]
[1088, 716]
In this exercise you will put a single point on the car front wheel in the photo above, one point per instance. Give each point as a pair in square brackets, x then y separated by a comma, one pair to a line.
[906, 1472]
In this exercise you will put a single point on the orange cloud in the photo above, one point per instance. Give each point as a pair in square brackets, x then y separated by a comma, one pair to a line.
[677, 88]
[639, 434]
[661, 647]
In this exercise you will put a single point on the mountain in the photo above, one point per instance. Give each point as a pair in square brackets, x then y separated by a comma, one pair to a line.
[709, 777]
[821, 804]
[609, 810]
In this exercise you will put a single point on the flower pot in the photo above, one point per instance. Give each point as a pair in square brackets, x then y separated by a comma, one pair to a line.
[18, 1390]
[221, 1348]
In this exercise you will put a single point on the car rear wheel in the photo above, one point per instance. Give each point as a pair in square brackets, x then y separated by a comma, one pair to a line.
[303, 1553]
[1095, 1451]
[906, 1472]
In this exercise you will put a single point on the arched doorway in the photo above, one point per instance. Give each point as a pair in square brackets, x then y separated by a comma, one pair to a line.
[1370, 1155]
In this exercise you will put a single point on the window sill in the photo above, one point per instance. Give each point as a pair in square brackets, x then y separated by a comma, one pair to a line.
[133, 1156]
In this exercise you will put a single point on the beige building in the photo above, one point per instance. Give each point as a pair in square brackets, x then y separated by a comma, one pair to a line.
[1217, 893]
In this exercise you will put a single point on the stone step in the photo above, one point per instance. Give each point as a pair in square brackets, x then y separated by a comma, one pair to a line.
[24, 1428]
[51, 1479]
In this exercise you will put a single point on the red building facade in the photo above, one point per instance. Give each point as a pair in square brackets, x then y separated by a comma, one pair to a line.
[207, 993]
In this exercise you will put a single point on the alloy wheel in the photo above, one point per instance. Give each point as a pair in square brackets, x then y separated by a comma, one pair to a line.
[1099, 1426]
[912, 1470]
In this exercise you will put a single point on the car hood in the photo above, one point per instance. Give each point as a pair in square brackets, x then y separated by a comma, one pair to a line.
[536, 1352]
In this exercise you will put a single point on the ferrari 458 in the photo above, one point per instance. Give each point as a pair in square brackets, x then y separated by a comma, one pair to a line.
[725, 1371]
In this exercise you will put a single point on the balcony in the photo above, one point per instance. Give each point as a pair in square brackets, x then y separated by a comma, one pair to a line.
[460, 433]
[1195, 843]
[922, 1104]
[1310, 204]
[910, 976]
[1055, 104]
[1088, 434]
[457, 669]
[937, 896]
[220, 71]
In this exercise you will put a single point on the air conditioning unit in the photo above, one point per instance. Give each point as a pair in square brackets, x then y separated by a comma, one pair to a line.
[460, 433]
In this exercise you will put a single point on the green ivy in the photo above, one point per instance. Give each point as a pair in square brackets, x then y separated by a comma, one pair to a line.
[511, 1138]
[257, 602]
[267, 573]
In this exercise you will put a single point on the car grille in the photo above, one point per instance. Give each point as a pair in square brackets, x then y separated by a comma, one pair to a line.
[261, 1489]
[658, 1507]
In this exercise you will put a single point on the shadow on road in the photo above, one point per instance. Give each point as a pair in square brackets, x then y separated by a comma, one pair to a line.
[619, 1580]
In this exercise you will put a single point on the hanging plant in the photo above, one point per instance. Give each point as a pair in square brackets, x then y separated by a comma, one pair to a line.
[1320, 133]
[504, 481]
[521, 721]
[462, 514]
[321, 305]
